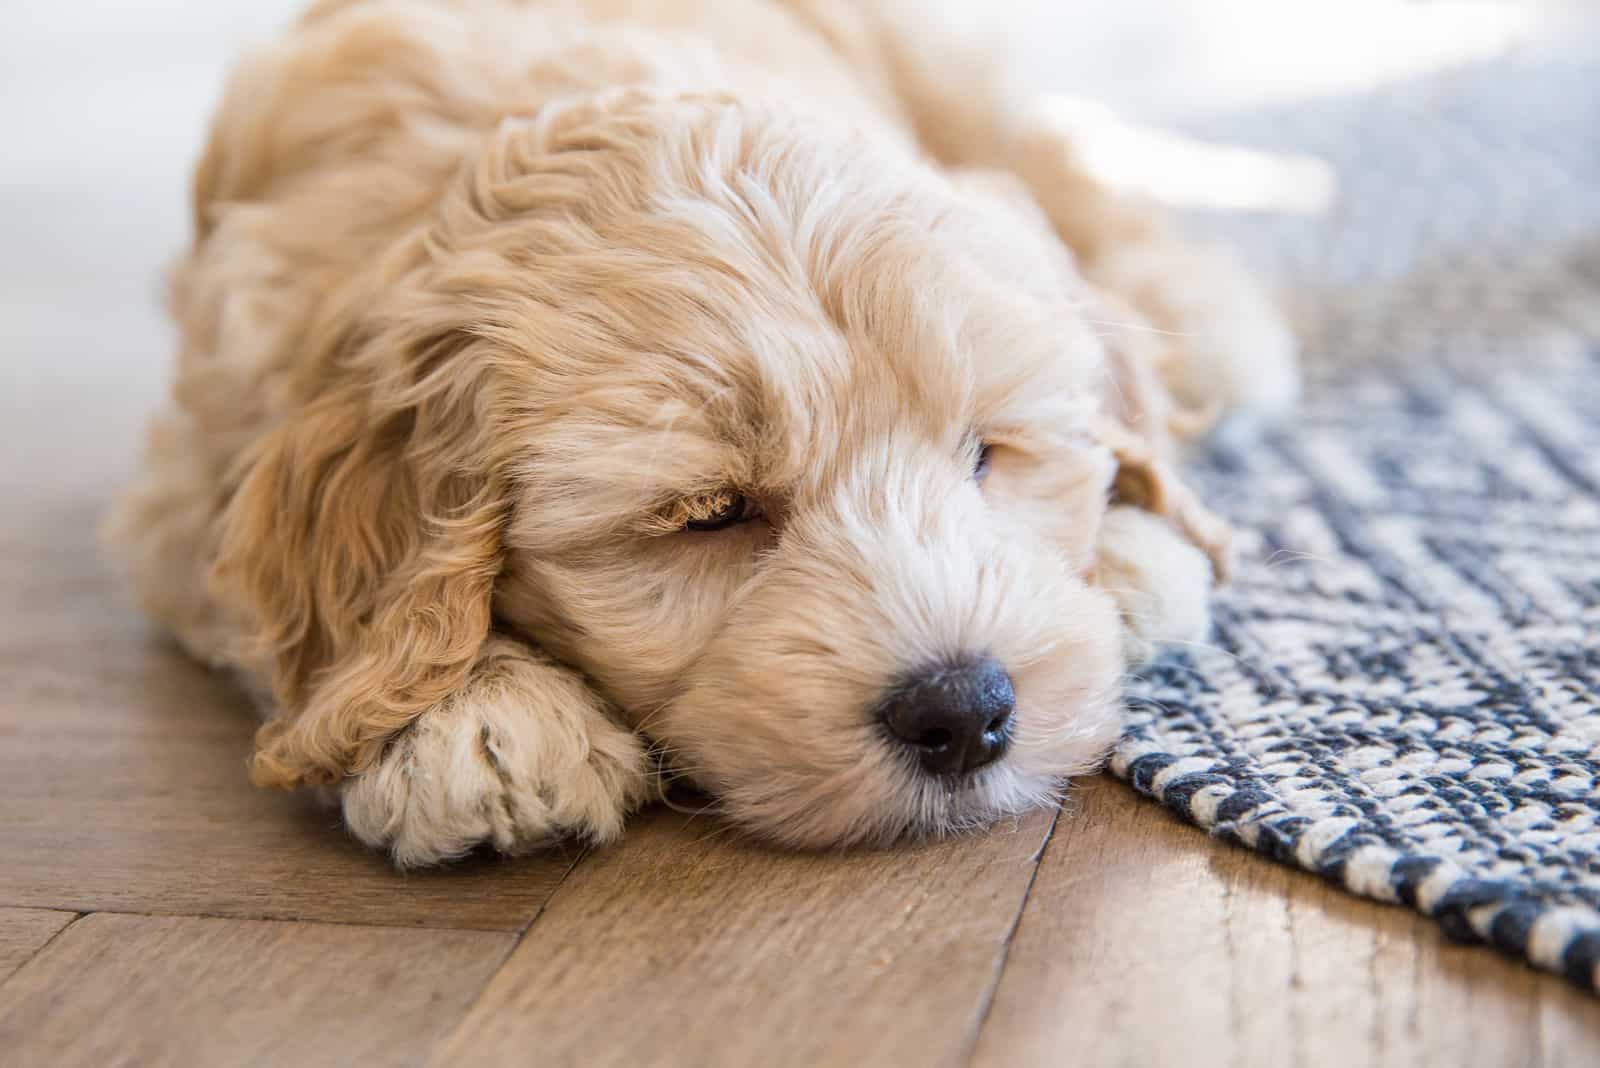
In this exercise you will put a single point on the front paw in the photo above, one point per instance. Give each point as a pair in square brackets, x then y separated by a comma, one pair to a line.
[1160, 581]
[521, 758]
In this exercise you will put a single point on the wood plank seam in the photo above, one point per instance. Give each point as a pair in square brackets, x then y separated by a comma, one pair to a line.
[276, 918]
[167, 990]
[986, 1001]
[544, 906]
[511, 947]
[41, 947]
[426, 1055]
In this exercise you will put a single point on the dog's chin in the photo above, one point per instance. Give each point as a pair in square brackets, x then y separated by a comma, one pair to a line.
[885, 798]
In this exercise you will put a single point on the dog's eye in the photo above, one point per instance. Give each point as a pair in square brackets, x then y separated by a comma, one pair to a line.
[981, 468]
[718, 511]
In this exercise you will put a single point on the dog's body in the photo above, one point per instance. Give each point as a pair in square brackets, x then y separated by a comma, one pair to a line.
[559, 379]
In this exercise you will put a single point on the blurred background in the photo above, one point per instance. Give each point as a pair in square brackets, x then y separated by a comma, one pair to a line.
[1347, 145]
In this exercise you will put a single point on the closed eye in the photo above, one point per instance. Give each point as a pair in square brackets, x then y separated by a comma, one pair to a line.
[981, 467]
[719, 512]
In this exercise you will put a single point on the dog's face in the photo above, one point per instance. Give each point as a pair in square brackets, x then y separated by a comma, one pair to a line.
[783, 442]
[807, 488]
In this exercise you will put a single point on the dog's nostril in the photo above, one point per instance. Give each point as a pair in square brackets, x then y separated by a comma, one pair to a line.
[955, 717]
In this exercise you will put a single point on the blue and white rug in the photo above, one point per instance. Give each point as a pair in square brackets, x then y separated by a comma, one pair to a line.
[1403, 690]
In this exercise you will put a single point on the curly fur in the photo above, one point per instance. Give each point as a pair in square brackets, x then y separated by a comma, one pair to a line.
[485, 294]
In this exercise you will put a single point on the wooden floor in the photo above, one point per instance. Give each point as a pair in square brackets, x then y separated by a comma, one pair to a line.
[154, 909]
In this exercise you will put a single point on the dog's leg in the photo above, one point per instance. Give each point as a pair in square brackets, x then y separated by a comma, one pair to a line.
[1159, 579]
[1229, 349]
[1226, 346]
[522, 756]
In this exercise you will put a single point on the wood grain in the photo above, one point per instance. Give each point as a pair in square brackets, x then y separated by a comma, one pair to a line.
[169, 991]
[1144, 943]
[122, 788]
[23, 931]
[684, 946]
[122, 778]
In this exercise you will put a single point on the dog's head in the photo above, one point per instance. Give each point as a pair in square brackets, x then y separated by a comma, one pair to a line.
[786, 443]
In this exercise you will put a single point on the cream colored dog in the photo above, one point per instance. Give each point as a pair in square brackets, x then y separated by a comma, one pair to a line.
[742, 388]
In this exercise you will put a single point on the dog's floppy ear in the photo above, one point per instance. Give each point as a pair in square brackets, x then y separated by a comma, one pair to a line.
[364, 540]
[1139, 423]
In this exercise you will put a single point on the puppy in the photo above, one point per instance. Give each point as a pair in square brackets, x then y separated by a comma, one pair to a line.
[744, 389]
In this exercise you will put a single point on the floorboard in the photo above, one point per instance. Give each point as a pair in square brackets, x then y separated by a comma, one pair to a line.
[122, 777]
[154, 991]
[23, 932]
[1144, 943]
[685, 946]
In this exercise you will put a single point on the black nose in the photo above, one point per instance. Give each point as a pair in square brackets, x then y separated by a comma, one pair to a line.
[955, 716]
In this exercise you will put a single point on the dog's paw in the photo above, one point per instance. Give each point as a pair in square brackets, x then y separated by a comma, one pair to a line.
[1233, 351]
[1160, 581]
[521, 758]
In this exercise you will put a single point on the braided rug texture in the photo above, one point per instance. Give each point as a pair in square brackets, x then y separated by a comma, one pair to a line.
[1402, 691]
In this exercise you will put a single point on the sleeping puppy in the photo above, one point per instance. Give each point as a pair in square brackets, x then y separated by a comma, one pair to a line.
[746, 390]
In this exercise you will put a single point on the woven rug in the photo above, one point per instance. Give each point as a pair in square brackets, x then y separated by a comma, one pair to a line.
[1402, 692]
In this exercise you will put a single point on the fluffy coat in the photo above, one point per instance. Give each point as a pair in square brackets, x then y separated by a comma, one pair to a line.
[488, 299]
